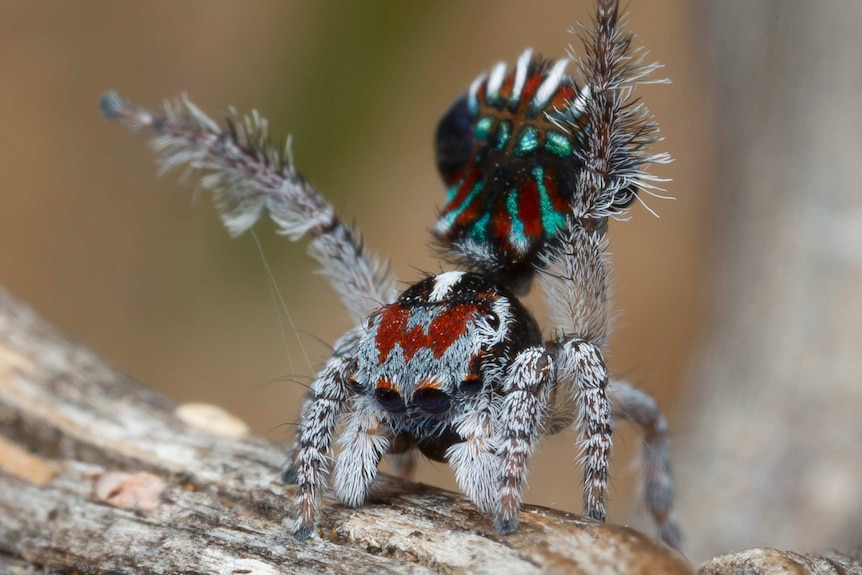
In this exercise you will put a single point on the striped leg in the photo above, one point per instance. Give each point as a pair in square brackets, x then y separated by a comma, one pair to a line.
[631, 404]
[526, 390]
[363, 444]
[581, 362]
[475, 460]
[327, 396]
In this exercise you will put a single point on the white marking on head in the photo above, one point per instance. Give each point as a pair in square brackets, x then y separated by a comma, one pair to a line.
[472, 102]
[443, 283]
[552, 81]
[521, 74]
[495, 81]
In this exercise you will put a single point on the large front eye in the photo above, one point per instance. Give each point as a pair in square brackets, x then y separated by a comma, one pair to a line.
[471, 385]
[389, 398]
[431, 400]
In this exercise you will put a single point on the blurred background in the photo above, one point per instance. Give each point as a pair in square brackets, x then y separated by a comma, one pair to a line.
[740, 309]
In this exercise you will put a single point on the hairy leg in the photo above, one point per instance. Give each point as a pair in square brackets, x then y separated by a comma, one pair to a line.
[527, 386]
[475, 461]
[580, 362]
[363, 443]
[328, 394]
[632, 404]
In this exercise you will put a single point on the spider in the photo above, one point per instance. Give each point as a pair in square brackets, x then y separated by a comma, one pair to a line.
[456, 367]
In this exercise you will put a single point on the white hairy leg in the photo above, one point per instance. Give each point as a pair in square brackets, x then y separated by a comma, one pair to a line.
[363, 443]
[527, 386]
[581, 363]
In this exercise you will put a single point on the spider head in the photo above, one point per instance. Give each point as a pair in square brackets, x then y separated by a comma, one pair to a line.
[446, 339]
[510, 152]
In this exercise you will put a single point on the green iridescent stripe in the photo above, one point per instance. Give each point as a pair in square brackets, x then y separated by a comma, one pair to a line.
[551, 219]
[512, 207]
[483, 128]
[528, 140]
[558, 144]
[452, 192]
[450, 217]
[504, 132]
[479, 231]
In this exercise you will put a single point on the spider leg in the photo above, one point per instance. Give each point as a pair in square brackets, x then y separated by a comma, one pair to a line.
[363, 443]
[327, 396]
[636, 406]
[526, 387]
[475, 461]
[581, 362]
[249, 177]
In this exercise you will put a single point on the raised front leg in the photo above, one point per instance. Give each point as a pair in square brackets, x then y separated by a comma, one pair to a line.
[581, 363]
[526, 387]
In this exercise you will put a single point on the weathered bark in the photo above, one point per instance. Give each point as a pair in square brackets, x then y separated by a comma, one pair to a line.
[765, 561]
[209, 501]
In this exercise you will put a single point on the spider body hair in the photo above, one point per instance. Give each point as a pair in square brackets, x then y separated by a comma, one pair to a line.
[536, 163]
[455, 367]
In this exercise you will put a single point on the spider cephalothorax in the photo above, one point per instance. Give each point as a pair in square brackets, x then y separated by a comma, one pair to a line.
[440, 350]
[455, 368]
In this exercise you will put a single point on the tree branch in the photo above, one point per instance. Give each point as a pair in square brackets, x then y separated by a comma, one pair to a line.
[102, 475]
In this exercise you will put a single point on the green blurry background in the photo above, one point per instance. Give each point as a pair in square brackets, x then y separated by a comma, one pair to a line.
[139, 269]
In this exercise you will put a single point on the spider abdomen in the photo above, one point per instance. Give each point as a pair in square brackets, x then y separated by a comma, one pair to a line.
[510, 151]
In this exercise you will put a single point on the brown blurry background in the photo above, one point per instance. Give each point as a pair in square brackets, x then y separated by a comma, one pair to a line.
[142, 272]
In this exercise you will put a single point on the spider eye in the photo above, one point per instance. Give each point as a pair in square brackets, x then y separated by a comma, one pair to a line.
[492, 320]
[471, 385]
[389, 399]
[357, 387]
[431, 400]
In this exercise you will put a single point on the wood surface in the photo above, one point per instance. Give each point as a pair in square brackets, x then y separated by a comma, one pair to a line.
[99, 474]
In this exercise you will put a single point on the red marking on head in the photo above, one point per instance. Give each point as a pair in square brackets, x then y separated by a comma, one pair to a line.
[448, 326]
[393, 322]
[428, 384]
